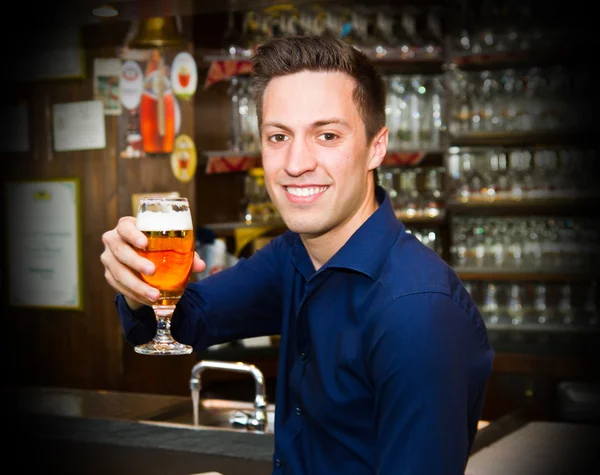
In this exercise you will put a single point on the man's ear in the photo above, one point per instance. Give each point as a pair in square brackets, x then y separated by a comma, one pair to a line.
[378, 148]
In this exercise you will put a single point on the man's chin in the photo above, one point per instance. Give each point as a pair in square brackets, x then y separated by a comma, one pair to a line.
[304, 227]
[298, 224]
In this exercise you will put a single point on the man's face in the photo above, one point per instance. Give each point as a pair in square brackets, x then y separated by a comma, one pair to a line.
[315, 154]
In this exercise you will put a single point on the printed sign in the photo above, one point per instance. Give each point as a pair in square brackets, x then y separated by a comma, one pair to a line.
[44, 244]
[131, 84]
[107, 73]
[184, 158]
[184, 75]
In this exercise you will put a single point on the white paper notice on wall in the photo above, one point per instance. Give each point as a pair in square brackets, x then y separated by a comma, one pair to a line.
[78, 126]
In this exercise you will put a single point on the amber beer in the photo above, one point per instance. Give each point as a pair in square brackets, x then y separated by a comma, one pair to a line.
[172, 252]
[171, 247]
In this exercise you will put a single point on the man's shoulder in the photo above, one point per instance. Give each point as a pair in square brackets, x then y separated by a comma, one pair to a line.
[420, 282]
[413, 268]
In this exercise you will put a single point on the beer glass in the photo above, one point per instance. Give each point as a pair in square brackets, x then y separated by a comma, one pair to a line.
[167, 223]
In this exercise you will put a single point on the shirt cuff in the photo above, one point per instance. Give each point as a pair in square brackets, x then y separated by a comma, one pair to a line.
[137, 324]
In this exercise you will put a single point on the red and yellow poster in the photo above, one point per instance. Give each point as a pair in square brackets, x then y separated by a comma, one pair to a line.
[184, 159]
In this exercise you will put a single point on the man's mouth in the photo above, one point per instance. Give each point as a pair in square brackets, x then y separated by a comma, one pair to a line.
[305, 190]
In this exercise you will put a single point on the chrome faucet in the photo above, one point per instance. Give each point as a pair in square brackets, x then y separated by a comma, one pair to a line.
[258, 422]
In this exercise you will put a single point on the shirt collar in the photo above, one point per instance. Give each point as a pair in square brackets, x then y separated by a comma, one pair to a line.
[366, 250]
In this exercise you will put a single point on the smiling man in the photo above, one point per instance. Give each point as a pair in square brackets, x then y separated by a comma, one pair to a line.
[384, 357]
[317, 159]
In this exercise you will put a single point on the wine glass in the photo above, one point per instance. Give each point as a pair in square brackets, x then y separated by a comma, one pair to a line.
[167, 223]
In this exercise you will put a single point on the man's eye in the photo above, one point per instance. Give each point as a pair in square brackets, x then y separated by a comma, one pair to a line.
[278, 138]
[327, 136]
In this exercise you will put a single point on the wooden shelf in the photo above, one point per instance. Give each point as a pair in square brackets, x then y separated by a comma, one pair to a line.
[229, 161]
[497, 274]
[542, 328]
[552, 206]
[414, 158]
[523, 139]
[507, 59]
[421, 66]
[423, 222]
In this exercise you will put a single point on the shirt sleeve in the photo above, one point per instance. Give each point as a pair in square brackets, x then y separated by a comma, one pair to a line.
[429, 361]
[242, 301]
[139, 326]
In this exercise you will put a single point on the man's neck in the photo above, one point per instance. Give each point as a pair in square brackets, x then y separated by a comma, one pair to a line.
[323, 247]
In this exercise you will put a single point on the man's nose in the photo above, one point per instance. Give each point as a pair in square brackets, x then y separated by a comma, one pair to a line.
[300, 158]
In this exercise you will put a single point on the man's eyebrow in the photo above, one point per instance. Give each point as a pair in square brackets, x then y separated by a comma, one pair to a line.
[314, 125]
[332, 120]
[277, 125]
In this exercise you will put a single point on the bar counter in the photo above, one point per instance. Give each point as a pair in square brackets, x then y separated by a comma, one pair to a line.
[74, 445]
[73, 431]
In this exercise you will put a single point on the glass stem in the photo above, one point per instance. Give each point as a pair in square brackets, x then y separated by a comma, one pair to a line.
[163, 323]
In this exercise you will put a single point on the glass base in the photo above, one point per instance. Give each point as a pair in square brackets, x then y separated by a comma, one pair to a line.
[163, 343]
[162, 348]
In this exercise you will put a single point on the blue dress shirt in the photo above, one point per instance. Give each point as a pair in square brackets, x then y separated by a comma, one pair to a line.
[384, 356]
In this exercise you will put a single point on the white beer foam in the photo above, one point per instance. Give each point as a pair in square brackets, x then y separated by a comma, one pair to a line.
[170, 221]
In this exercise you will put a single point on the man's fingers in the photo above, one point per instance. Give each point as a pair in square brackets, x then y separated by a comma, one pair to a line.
[130, 233]
[125, 255]
[129, 293]
[126, 281]
[199, 265]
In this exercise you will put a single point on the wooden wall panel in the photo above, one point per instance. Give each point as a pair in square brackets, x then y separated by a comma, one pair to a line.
[58, 347]
[82, 349]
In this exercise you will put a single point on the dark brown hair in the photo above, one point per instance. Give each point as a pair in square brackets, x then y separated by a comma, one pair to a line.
[289, 55]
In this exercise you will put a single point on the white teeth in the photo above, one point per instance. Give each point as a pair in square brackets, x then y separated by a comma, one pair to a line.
[313, 190]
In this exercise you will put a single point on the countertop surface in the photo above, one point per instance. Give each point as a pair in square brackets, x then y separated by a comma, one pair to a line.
[541, 448]
[123, 418]
[142, 435]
